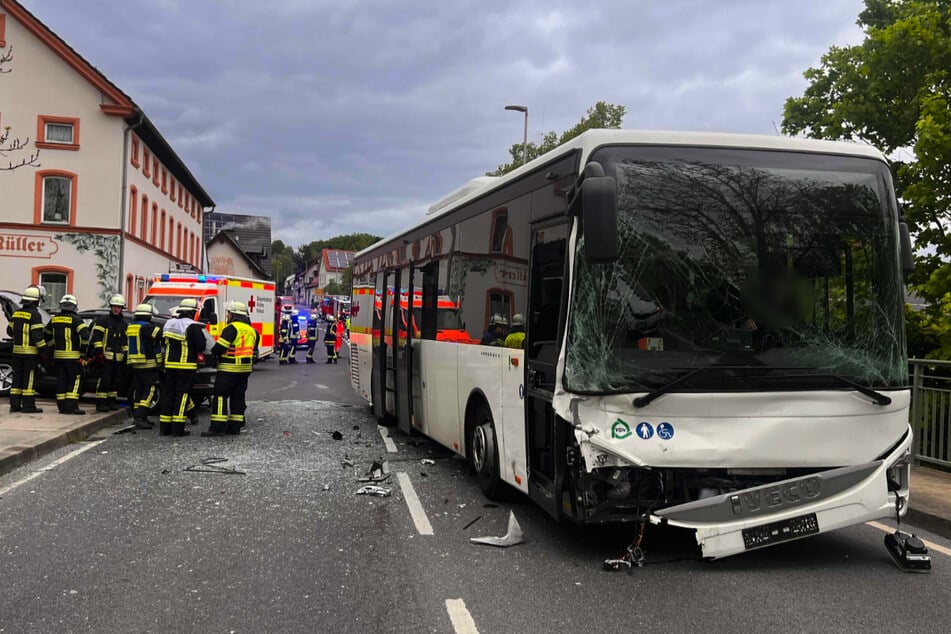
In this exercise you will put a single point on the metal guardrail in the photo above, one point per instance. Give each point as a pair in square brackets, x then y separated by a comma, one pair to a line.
[930, 415]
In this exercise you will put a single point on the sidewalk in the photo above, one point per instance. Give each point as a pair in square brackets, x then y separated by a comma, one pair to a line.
[931, 500]
[26, 437]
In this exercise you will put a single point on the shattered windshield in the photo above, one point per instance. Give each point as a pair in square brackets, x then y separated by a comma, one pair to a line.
[770, 270]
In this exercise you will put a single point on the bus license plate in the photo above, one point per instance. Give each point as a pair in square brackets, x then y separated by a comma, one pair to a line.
[780, 531]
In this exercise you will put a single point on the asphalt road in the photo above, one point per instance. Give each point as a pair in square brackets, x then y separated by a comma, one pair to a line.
[133, 532]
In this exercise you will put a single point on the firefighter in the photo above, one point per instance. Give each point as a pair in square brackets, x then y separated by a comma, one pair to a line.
[284, 333]
[26, 329]
[312, 321]
[293, 337]
[516, 336]
[236, 350]
[69, 336]
[184, 340]
[144, 343]
[330, 340]
[107, 348]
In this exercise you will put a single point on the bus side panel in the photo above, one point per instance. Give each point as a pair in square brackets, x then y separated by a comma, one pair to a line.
[361, 342]
[512, 450]
[480, 369]
[440, 417]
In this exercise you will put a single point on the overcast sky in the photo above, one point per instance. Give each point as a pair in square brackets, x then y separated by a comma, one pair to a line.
[337, 117]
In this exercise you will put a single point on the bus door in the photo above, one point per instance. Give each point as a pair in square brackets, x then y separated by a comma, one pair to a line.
[546, 439]
[403, 341]
[381, 378]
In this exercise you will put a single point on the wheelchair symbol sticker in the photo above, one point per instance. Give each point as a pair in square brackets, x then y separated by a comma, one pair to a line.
[665, 431]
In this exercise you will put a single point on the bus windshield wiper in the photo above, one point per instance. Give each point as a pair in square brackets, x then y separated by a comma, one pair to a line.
[641, 401]
[875, 395]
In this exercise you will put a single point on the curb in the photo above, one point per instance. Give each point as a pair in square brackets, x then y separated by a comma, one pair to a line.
[933, 523]
[79, 433]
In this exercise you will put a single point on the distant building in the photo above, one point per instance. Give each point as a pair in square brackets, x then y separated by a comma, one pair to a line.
[319, 272]
[225, 257]
[252, 234]
[109, 203]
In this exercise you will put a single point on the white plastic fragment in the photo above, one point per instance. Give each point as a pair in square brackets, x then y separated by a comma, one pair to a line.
[376, 491]
[512, 536]
[427, 461]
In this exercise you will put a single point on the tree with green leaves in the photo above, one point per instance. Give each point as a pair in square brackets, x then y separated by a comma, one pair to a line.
[601, 115]
[893, 91]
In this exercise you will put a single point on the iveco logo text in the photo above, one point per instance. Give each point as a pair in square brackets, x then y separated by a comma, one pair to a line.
[773, 497]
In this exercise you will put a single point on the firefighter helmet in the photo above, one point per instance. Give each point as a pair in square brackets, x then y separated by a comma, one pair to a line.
[237, 308]
[69, 302]
[143, 310]
[117, 300]
[31, 294]
[518, 320]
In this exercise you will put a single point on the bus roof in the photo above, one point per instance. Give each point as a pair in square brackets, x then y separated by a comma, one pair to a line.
[590, 140]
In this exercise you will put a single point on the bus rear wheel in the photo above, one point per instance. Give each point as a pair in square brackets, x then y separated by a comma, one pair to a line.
[485, 455]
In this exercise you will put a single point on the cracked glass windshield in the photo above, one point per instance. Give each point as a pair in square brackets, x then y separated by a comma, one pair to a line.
[763, 269]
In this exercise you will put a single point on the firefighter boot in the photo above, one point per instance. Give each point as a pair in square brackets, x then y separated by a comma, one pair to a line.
[29, 406]
[164, 428]
[216, 428]
[61, 405]
[178, 429]
[16, 403]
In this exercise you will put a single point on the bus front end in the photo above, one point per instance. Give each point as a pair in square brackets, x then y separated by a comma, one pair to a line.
[739, 369]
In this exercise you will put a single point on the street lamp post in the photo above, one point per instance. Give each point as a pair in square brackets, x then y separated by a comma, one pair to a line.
[525, 135]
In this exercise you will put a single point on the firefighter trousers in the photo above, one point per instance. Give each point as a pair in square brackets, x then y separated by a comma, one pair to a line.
[144, 383]
[229, 405]
[68, 383]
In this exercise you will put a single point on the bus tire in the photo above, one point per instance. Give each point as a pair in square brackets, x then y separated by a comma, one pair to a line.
[485, 454]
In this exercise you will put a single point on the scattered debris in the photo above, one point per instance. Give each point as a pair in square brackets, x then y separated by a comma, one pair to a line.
[376, 491]
[165, 471]
[374, 474]
[326, 487]
[633, 556]
[336, 435]
[512, 536]
[478, 517]
[210, 465]
[287, 433]
[427, 461]
[346, 462]
[356, 427]
[130, 429]
[423, 474]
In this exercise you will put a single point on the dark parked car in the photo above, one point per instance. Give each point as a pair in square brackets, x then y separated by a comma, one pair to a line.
[46, 379]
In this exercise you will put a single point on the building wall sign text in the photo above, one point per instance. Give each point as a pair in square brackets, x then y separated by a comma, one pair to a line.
[27, 246]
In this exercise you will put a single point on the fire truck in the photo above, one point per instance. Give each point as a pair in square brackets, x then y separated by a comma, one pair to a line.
[213, 293]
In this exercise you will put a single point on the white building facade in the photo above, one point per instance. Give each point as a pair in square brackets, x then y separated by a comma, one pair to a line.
[107, 204]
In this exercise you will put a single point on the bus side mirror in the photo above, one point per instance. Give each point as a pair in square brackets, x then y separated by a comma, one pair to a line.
[593, 198]
[907, 255]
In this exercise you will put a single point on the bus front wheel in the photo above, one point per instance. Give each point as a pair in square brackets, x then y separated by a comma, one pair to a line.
[485, 455]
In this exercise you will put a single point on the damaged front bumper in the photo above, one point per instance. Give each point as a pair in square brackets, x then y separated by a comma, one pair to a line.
[798, 507]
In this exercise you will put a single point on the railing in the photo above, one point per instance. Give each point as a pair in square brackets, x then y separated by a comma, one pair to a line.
[931, 410]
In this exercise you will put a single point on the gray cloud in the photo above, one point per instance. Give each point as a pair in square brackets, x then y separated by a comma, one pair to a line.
[334, 117]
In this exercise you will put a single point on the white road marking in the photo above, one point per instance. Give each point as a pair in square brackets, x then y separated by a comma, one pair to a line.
[423, 527]
[462, 621]
[931, 545]
[390, 445]
[51, 466]
[321, 386]
[289, 386]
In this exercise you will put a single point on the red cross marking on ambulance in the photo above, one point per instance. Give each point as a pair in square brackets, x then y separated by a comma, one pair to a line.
[251, 304]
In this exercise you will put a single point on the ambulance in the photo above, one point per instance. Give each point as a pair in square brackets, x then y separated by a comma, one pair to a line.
[213, 293]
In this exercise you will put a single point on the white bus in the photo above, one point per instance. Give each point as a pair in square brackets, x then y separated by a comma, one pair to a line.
[714, 333]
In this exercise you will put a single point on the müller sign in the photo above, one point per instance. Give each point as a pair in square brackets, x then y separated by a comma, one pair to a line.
[27, 246]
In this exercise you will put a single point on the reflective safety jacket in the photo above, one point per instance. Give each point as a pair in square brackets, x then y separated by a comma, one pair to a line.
[184, 339]
[330, 335]
[108, 337]
[69, 335]
[312, 328]
[295, 329]
[237, 346]
[284, 331]
[515, 339]
[144, 342]
[26, 329]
